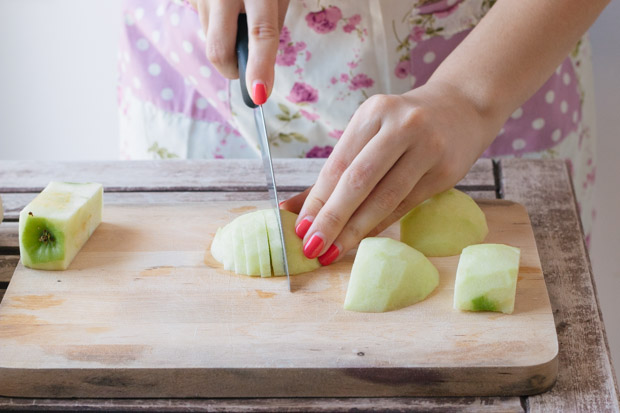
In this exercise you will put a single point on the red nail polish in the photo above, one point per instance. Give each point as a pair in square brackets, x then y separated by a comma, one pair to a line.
[313, 246]
[330, 255]
[302, 228]
[260, 94]
[281, 202]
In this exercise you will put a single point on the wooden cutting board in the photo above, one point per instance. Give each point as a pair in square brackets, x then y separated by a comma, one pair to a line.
[144, 312]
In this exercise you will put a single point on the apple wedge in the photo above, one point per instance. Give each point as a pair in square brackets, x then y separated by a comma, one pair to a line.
[1, 210]
[444, 224]
[57, 223]
[486, 278]
[388, 275]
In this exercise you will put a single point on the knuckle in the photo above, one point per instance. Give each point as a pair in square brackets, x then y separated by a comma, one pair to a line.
[335, 167]
[357, 177]
[216, 54]
[402, 208]
[331, 220]
[416, 118]
[313, 205]
[264, 31]
[387, 199]
[353, 234]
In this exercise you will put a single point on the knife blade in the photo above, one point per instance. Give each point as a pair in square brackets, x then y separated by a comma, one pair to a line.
[261, 128]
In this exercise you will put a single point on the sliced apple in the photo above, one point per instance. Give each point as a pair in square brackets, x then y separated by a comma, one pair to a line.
[57, 223]
[444, 224]
[256, 245]
[1, 211]
[486, 278]
[388, 275]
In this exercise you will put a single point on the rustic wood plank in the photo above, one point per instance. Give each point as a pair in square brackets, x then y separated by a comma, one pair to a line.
[15, 202]
[183, 175]
[9, 237]
[7, 266]
[317, 405]
[586, 380]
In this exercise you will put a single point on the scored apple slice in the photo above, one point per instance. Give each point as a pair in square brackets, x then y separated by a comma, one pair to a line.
[262, 241]
[444, 224]
[238, 246]
[486, 278]
[388, 275]
[57, 223]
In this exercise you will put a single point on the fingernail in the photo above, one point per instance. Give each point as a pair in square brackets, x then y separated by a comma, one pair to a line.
[330, 255]
[260, 93]
[281, 202]
[313, 246]
[303, 227]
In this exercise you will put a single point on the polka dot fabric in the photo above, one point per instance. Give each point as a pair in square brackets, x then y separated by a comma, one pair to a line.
[332, 56]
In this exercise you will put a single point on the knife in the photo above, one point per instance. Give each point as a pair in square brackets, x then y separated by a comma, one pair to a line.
[241, 47]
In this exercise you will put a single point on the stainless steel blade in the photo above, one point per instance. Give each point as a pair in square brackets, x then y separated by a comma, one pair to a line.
[259, 118]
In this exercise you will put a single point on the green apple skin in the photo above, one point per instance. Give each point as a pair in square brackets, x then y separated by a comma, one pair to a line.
[264, 255]
[486, 278]
[57, 223]
[444, 224]
[1, 210]
[388, 275]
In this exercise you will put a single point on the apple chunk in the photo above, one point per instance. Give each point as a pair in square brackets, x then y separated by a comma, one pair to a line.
[486, 278]
[253, 241]
[57, 223]
[388, 275]
[444, 224]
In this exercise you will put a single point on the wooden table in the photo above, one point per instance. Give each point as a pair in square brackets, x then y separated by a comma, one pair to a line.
[586, 380]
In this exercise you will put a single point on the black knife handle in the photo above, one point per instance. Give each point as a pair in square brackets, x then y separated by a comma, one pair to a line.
[241, 46]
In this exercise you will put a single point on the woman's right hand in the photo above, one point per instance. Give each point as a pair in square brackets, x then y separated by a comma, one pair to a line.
[265, 20]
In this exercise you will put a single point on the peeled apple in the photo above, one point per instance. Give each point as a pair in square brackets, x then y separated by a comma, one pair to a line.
[444, 224]
[250, 245]
[486, 278]
[388, 275]
[57, 223]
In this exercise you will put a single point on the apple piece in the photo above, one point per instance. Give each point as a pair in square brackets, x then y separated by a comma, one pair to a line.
[297, 261]
[254, 240]
[275, 244]
[388, 275]
[486, 278]
[444, 224]
[57, 223]
[1, 211]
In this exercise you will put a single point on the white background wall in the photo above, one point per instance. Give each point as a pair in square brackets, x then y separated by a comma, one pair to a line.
[58, 101]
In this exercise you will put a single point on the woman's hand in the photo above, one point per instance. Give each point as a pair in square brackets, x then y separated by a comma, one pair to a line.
[396, 152]
[265, 19]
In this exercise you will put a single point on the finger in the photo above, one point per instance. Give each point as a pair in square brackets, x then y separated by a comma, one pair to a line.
[222, 35]
[363, 126]
[295, 203]
[384, 198]
[429, 185]
[425, 188]
[357, 182]
[264, 39]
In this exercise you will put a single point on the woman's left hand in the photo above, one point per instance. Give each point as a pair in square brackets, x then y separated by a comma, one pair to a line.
[397, 151]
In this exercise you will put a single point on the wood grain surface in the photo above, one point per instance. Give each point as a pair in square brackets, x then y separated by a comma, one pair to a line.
[139, 314]
[586, 379]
